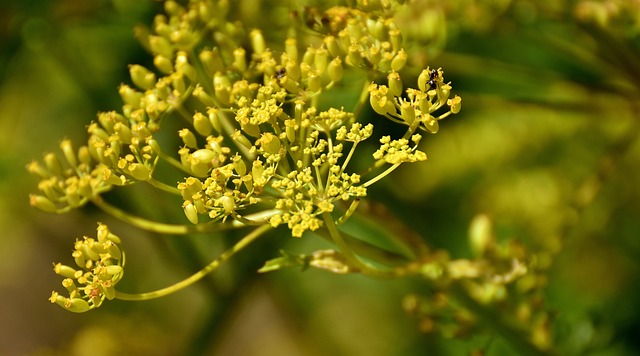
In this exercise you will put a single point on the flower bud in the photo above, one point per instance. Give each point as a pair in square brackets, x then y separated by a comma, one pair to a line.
[321, 60]
[160, 45]
[36, 168]
[203, 96]
[201, 124]
[190, 212]
[139, 171]
[64, 271]
[163, 64]
[480, 234]
[142, 77]
[42, 203]
[455, 104]
[241, 139]
[257, 41]
[399, 60]
[239, 166]
[269, 143]
[407, 112]
[257, 169]
[432, 125]
[291, 48]
[228, 204]
[67, 150]
[53, 163]
[211, 60]
[292, 70]
[332, 46]
[354, 56]
[395, 37]
[309, 56]
[130, 96]
[239, 59]
[335, 70]
[314, 82]
[123, 131]
[188, 138]
[76, 305]
[395, 84]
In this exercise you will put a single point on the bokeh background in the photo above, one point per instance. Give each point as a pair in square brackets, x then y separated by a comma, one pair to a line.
[546, 145]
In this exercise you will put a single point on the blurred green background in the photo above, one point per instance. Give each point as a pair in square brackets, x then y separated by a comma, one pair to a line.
[546, 145]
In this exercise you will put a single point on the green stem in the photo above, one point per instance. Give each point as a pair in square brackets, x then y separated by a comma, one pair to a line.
[351, 257]
[162, 228]
[163, 186]
[249, 238]
[381, 175]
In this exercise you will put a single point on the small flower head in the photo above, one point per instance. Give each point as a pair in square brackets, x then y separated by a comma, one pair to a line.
[99, 267]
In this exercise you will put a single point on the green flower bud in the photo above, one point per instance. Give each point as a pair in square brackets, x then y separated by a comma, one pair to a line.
[211, 60]
[395, 37]
[67, 150]
[139, 171]
[53, 163]
[190, 212]
[289, 84]
[269, 143]
[314, 82]
[455, 104]
[432, 125]
[374, 55]
[399, 60]
[163, 64]
[79, 259]
[76, 305]
[257, 41]
[214, 119]
[123, 131]
[130, 96]
[480, 234]
[239, 59]
[309, 56]
[395, 84]
[292, 70]
[332, 46]
[257, 170]
[335, 70]
[291, 48]
[202, 124]
[241, 139]
[160, 45]
[188, 138]
[354, 56]
[64, 271]
[239, 166]
[203, 96]
[228, 204]
[36, 168]
[407, 112]
[142, 77]
[73, 197]
[42, 203]
[321, 60]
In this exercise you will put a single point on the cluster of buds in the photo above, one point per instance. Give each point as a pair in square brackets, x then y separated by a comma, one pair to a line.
[100, 264]
[500, 276]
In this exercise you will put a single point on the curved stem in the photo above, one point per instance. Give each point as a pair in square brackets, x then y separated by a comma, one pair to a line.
[244, 242]
[163, 186]
[381, 175]
[162, 228]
